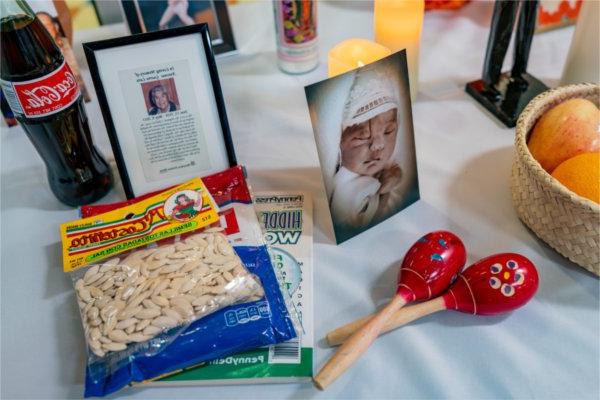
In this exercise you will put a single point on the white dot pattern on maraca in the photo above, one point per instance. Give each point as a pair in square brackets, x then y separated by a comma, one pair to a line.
[495, 283]
[507, 288]
[495, 268]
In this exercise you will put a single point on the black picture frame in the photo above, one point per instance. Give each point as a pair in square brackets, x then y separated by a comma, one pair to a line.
[91, 48]
[222, 45]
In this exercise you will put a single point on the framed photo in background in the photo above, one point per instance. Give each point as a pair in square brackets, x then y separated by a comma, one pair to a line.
[161, 101]
[154, 15]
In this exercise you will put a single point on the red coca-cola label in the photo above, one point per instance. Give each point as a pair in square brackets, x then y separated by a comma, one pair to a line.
[43, 96]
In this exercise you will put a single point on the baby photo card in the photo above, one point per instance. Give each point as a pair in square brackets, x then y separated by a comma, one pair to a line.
[362, 122]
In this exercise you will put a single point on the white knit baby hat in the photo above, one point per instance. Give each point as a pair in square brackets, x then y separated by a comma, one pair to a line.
[332, 102]
[371, 93]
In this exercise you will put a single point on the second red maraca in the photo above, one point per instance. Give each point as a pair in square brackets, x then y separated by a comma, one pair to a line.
[493, 285]
[427, 269]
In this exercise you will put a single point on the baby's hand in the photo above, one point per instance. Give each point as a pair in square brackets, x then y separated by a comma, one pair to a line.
[390, 178]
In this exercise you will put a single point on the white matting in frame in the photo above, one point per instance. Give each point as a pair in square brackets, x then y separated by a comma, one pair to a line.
[165, 125]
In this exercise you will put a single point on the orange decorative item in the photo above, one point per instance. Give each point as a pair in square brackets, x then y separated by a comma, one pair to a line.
[557, 13]
[444, 4]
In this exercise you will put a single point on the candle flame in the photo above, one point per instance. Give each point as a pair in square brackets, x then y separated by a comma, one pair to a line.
[361, 64]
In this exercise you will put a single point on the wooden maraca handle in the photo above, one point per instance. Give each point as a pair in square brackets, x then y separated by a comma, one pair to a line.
[400, 318]
[356, 345]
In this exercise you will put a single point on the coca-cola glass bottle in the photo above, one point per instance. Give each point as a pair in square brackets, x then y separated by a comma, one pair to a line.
[43, 94]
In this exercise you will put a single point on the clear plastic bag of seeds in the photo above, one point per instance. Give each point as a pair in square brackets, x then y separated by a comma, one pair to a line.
[223, 271]
[151, 293]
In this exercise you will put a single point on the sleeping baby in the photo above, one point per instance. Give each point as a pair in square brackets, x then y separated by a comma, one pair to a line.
[366, 173]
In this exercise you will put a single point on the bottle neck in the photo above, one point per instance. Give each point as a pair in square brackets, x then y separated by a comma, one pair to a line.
[15, 7]
[27, 50]
[13, 13]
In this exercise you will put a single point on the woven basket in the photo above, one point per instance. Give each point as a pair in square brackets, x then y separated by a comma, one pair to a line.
[566, 221]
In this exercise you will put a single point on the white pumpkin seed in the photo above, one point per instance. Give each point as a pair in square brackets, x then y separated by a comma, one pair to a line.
[167, 269]
[95, 344]
[104, 339]
[164, 251]
[202, 300]
[92, 278]
[84, 294]
[106, 268]
[160, 301]
[176, 283]
[189, 266]
[184, 313]
[128, 312]
[93, 313]
[101, 281]
[172, 314]
[227, 276]
[114, 346]
[148, 313]
[151, 330]
[90, 272]
[169, 293]
[164, 322]
[148, 303]
[142, 325]
[225, 249]
[126, 323]
[162, 285]
[118, 335]
[112, 261]
[95, 334]
[95, 292]
[139, 337]
[108, 284]
[109, 325]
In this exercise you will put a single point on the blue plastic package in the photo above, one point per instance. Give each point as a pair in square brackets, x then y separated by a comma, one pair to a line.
[230, 330]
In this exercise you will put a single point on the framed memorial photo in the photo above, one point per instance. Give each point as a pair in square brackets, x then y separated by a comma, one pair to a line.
[154, 15]
[162, 104]
[362, 122]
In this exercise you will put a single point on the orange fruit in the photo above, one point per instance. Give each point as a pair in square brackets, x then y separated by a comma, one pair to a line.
[581, 174]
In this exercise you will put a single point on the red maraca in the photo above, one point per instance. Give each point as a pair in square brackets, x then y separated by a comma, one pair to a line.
[428, 268]
[493, 285]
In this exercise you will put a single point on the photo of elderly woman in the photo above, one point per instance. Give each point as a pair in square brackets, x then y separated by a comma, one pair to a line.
[161, 96]
[363, 129]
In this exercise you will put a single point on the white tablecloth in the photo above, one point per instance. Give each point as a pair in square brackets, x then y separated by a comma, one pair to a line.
[549, 349]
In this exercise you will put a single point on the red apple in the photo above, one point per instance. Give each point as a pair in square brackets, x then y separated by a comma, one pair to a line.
[564, 131]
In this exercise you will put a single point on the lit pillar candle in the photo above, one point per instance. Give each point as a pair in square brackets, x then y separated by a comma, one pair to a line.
[398, 26]
[354, 53]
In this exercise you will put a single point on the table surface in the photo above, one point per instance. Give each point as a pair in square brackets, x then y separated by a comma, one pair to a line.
[549, 349]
